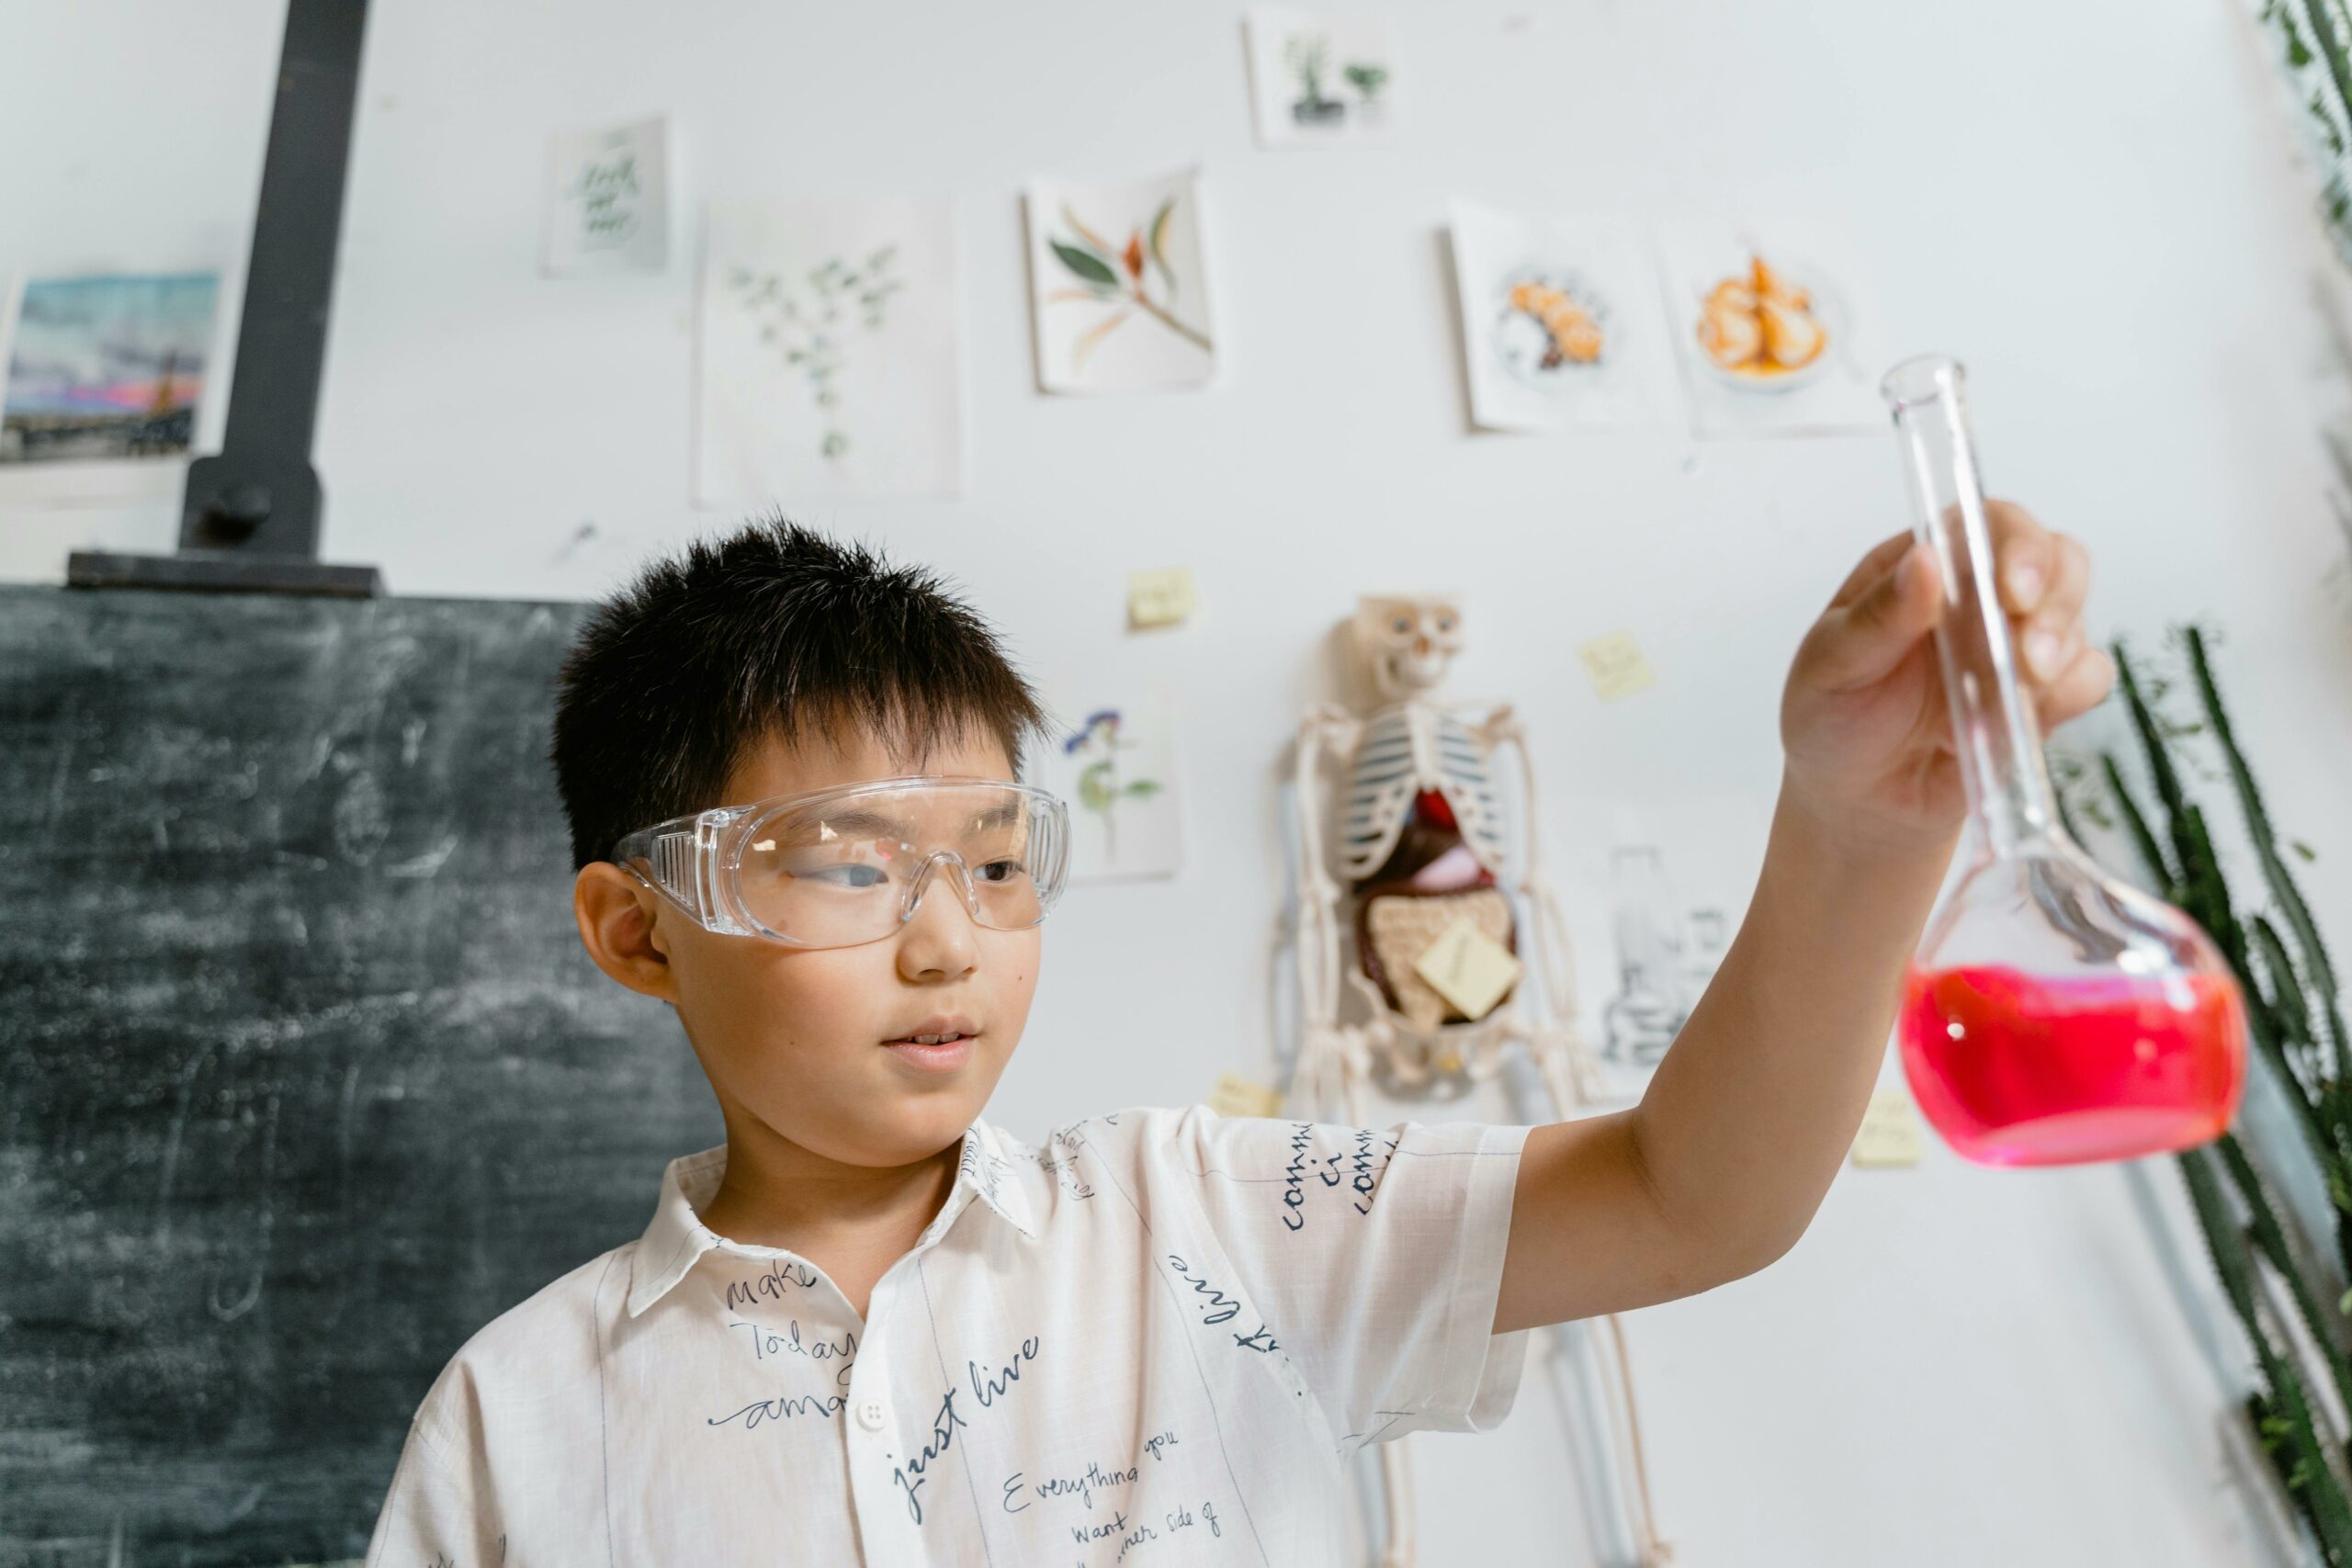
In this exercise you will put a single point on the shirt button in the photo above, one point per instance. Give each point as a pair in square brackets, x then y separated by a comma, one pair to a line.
[870, 1414]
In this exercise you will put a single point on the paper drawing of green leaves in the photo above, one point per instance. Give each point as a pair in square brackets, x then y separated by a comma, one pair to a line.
[810, 323]
[1100, 788]
[1121, 276]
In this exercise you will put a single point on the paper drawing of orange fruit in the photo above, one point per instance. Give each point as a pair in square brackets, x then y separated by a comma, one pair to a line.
[1760, 325]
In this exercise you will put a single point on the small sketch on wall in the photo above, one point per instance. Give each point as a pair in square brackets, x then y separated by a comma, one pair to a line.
[830, 363]
[608, 201]
[1559, 323]
[1117, 772]
[102, 367]
[1319, 81]
[1665, 956]
[1119, 285]
[1772, 330]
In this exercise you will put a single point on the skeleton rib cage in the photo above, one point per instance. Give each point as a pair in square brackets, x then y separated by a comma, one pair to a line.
[1409, 748]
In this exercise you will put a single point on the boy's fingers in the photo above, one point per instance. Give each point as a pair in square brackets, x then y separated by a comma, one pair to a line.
[2082, 687]
[2026, 554]
[2060, 609]
[1860, 640]
[2049, 650]
[1874, 566]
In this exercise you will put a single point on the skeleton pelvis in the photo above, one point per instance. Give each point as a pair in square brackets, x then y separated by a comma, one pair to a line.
[1395, 926]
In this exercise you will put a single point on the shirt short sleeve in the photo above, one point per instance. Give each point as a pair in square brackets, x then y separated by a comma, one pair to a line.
[435, 1512]
[1376, 1255]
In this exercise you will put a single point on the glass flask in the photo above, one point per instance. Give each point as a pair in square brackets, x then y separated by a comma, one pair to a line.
[2053, 1015]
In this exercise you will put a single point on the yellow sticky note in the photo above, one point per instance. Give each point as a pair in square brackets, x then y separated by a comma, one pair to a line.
[1616, 666]
[1890, 1131]
[1468, 968]
[1237, 1096]
[1160, 597]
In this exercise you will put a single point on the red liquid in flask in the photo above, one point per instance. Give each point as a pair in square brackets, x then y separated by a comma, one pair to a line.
[2025, 1070]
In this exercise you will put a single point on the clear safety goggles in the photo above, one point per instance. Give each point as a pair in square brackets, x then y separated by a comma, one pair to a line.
[838, 867]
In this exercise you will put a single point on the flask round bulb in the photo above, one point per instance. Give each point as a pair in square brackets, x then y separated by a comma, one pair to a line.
[2053, 1014]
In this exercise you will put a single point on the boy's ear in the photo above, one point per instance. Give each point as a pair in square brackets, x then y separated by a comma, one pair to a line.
[616, 928]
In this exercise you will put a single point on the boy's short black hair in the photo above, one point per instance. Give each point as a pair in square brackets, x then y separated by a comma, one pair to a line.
[772, 631]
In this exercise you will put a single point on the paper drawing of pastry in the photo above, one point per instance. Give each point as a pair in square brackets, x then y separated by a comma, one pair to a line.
[1551, 328]
[1574, 335]
[1761, 328]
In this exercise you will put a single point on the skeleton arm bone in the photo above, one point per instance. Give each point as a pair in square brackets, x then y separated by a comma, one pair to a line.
[1318, 937]
[1324, 728]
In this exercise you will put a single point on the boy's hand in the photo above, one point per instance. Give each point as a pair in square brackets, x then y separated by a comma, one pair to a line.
[1863, 719]
[1748, 1120]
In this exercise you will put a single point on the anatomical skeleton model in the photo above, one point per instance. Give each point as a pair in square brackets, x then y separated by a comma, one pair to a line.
[1422, 845]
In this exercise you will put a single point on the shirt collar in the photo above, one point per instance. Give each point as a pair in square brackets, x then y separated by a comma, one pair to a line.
[675, 1238]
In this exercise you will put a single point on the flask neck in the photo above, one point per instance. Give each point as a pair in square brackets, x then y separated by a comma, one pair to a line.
[1994, 725]
[1994, 730]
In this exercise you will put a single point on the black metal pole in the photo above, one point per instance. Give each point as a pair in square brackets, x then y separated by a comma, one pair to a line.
[249, 516]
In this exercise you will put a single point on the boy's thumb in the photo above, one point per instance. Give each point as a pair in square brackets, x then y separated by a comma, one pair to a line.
[1868, 636]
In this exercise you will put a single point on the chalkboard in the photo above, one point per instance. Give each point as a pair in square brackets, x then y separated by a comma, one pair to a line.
[303, 1074]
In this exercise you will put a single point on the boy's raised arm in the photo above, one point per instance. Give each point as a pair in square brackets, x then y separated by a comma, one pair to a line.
[1721, 1167]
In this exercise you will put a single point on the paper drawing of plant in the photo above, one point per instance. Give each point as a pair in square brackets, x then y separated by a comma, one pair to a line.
[1118, 276]
[1308, 54]
[1367, 78]
[1100, 788]
[811, 322]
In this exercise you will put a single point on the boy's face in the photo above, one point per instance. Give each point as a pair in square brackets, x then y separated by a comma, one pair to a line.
[795, 1039]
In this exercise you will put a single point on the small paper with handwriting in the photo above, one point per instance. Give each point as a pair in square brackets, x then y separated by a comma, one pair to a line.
[1240, 1096]
[1468, 968]
[1890, 1131]
[1160, 597]
[1616, 666]
[608, 201]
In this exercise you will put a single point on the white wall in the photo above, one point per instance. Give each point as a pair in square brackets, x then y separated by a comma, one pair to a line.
[2092, 202]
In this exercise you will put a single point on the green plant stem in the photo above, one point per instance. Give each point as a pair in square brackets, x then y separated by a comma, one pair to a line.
[2309, 1479]
[1171, 322]
[2275, 874]
[2326, 1326]
[2159, 870]
[2290, 1013]
[2152, 740]
[2321, 24]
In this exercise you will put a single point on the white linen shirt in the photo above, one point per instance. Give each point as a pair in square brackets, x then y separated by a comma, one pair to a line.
[1156, 1340]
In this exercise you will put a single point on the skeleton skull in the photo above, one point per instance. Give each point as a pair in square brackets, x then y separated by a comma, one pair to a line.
[1408, 641]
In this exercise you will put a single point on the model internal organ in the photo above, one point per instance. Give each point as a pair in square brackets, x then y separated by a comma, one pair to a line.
[1574, 336]
[1761, 324]
[1421, 842]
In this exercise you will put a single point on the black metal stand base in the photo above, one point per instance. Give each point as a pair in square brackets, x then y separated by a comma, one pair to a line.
[223, 572]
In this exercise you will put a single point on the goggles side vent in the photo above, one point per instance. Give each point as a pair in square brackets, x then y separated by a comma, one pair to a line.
[675, 869]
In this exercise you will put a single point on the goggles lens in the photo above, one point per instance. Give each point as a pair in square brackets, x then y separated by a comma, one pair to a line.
[852, 865]
[831, 873]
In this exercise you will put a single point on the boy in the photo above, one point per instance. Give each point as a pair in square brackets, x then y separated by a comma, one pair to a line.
[874, 1327]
